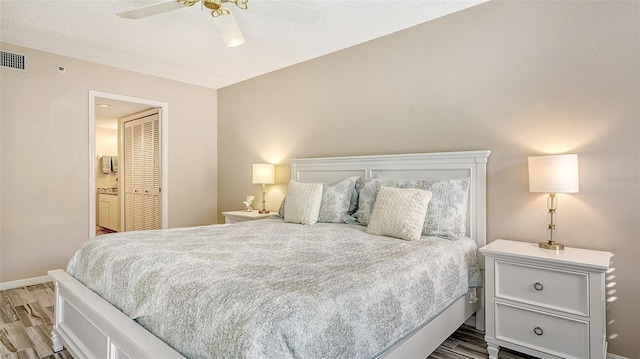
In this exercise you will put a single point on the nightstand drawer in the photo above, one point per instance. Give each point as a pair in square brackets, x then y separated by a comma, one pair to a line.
[556, 289]
[556, 335]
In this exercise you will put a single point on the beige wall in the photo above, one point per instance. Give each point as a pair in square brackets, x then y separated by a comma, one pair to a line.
[45, 159]
[518, 78]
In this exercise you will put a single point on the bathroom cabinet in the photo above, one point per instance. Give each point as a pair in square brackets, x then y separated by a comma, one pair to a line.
[108, 212]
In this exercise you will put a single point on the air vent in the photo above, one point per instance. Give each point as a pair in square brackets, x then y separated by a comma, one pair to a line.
[13, 61]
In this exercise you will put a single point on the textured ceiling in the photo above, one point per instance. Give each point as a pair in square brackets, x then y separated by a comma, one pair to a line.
[184, 45]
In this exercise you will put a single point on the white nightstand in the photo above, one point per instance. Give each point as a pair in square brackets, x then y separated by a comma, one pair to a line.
[550, 304]
[241, 216]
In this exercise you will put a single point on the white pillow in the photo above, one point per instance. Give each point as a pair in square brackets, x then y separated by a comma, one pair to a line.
[399, 212]
[303, 202]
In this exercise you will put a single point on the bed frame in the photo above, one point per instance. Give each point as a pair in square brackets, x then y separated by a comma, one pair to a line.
[89, 327]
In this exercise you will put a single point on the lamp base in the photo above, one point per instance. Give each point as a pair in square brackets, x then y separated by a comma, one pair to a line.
[551, 245]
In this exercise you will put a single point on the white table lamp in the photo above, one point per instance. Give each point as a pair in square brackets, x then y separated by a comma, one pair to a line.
[553, 174]
[264, 174]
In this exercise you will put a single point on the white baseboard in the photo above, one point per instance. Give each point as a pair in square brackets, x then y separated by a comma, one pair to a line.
[24, 282]
[613, 356]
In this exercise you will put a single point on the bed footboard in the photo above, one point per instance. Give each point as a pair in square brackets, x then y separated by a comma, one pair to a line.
[428, 338]
[89, 327]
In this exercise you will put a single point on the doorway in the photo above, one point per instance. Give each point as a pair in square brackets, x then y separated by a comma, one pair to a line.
[105, 110]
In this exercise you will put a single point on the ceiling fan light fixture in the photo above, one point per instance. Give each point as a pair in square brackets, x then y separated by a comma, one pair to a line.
[229, 30]
[212, 4]
[242, 4]
[234, 42]
[188, 2]
[224, 19]
[219, 12]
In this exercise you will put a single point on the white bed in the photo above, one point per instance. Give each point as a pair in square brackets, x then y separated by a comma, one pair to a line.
[88, 326]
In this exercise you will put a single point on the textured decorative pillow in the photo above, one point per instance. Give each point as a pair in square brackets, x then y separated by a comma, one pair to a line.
[447, 211]
[399, 212]
[303, 202]
[367, 189]
[336, 200]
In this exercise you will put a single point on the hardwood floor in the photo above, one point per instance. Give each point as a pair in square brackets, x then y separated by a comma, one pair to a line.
[27, 315]
[468, 343]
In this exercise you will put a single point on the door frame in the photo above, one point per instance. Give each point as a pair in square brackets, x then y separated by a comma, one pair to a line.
[164, 153]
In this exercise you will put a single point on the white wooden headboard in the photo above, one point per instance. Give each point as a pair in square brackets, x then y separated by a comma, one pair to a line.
[418, 166]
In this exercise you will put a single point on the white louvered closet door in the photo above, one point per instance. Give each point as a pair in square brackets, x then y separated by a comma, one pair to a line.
[142, 173]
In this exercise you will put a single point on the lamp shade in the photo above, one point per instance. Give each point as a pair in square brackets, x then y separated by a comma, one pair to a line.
[263, 173]
[554, 174]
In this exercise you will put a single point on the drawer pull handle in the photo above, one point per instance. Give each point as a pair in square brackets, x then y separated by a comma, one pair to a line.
[538, 331]
[538, 286]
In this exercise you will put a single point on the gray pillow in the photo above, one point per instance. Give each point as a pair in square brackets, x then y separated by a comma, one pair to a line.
[281, 209]
[447, 211]
[367, 189]
[336, 200]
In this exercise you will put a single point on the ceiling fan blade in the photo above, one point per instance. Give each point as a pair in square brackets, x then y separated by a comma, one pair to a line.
[229, 30]
[284, 10]
[151, 10]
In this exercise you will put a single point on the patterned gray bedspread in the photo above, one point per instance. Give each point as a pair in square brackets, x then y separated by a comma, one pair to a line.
[269, 289]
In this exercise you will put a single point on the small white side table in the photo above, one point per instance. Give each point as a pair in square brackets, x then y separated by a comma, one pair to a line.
[241, 216]
[546, 303]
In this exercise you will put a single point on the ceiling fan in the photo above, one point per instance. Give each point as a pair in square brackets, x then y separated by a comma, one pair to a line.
[224, 19]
